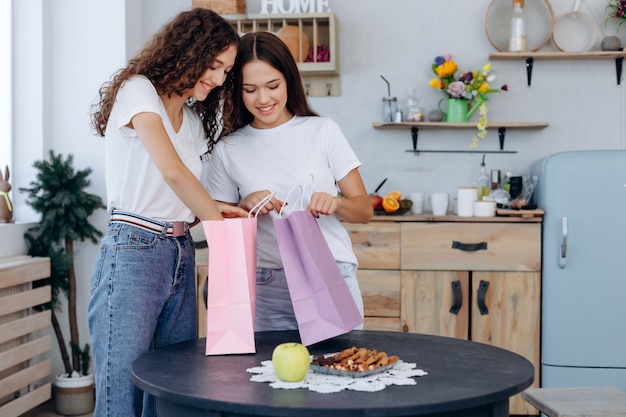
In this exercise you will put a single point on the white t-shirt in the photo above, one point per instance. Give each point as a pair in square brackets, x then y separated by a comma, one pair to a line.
[133, 181]
[278, 159]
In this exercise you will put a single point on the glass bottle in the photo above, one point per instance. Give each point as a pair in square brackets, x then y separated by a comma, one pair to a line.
[483, 182]
[413, 112]
[507, 182]
[517, 39]
[496, 179]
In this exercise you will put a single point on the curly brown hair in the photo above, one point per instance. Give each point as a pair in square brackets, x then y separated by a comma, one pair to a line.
[173, 60]
[267, 47]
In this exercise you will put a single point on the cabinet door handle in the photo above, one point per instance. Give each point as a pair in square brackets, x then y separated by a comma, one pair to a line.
[481, 295]
[457, 296]
[469, 247]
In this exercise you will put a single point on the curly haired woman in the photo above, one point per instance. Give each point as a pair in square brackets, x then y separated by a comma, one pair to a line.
[158, 116]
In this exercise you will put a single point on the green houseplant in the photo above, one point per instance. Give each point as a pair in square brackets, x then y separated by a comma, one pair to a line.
[59, 195]
[615, 11]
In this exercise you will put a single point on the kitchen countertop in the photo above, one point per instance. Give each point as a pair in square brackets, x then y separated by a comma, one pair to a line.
[429, 217]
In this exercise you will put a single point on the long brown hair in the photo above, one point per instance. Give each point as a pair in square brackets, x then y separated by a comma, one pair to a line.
[173, 60]
[269, 48]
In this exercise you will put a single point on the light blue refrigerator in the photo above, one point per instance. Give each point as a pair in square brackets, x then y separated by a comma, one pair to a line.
[583, 326]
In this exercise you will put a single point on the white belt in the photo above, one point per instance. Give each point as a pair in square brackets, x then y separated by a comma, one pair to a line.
[175, 229]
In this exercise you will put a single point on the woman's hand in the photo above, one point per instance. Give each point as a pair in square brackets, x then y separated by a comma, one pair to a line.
[354, 207]
[252, 199]
[323, 203]
[230, 211]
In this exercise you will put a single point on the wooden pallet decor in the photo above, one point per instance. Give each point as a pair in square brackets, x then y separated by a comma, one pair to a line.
[25, 363]
[222, 6]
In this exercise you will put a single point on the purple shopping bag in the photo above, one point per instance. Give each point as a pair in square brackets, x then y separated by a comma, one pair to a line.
[322, 301]
[231, 297]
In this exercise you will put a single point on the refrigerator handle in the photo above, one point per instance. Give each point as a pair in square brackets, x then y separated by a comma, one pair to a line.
[563, 255]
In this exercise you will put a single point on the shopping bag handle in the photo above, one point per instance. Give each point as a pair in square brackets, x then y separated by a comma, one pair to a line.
[260, 204]
[312, 178]
[280, 213]
[302, 193]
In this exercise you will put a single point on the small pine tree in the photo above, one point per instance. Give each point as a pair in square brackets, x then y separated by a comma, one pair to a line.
[59, 195]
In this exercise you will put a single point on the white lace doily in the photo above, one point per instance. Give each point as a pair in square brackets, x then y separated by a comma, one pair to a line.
[401, 374]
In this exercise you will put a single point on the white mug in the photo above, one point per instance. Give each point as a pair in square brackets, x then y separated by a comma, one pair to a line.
[439, 203]
[418, 202]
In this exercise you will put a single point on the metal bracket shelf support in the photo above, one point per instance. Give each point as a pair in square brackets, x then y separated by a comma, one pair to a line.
[415, 132]
[618, 69]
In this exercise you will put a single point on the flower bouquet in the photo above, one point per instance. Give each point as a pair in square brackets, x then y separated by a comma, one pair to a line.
[472, 86]
[616, 9]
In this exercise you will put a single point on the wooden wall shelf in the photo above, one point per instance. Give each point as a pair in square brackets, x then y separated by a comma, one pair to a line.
[513, 56]
[464, 125]
[415, 126]
[530, 57]
[321, 78]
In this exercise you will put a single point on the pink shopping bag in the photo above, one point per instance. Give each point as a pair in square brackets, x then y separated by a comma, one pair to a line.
[322, 301]
[231, 285]
[231, 293]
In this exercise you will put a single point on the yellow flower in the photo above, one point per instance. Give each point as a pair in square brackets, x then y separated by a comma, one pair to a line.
[447, 69]
[482, 125]
[487, 67]
[435, 83]
[483, 88]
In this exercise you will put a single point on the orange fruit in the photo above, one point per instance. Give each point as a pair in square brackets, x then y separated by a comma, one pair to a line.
[390, 204]
[395, 195]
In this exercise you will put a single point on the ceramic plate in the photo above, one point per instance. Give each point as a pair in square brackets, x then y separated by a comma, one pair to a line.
[539, 22]
[351, 374]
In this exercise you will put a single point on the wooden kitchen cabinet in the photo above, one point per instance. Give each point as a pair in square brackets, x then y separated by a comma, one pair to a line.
[377, 247]
[462, 278]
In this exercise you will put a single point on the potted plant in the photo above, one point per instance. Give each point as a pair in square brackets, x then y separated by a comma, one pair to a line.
[59, 195]
[464, 94]
[615, 11]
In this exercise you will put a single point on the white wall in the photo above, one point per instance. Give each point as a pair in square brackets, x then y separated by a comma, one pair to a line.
[66, 51]
[85, 42]
[6, 78]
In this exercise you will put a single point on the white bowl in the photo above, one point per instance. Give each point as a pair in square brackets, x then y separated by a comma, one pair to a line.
[484, 208]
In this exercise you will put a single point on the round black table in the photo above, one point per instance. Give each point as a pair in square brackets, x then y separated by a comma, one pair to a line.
[464, 378]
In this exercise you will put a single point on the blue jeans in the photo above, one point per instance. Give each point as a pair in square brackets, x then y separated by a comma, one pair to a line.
[143, 297]
[274, 310]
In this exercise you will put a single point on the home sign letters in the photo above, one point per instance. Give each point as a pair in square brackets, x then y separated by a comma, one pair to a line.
[294, 6]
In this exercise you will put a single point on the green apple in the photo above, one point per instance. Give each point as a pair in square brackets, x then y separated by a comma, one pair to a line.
[291, 361]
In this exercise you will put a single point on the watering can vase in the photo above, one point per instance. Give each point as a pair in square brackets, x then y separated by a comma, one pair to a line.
[458, 110]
